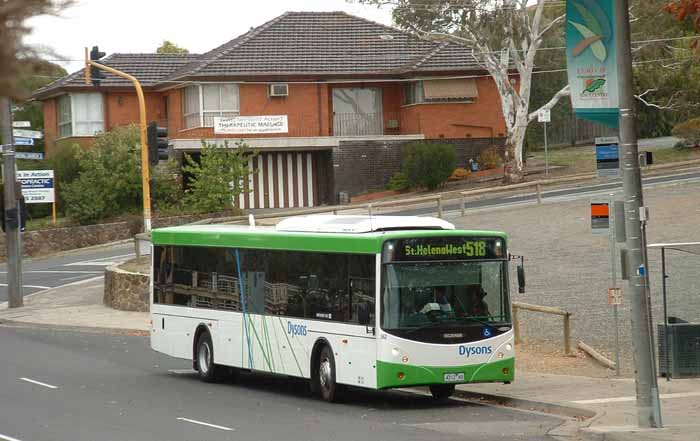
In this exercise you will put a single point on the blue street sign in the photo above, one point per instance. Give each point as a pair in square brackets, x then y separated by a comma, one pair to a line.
[607, 156]
[24, 141]
[30, 155]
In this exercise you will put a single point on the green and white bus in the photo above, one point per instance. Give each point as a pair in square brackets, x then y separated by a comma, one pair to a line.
[375, 302]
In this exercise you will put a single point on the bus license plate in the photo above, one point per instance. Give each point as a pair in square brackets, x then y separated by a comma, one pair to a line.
[453, 378]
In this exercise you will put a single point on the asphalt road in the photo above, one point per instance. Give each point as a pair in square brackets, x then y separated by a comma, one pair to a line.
[561, 194]
[50, 272]
[79, 386]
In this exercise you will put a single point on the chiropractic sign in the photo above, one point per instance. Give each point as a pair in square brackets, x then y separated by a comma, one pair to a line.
[37, 186]
[591, 59]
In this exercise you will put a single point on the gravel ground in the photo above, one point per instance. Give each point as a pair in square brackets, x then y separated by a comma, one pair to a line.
[569, 267]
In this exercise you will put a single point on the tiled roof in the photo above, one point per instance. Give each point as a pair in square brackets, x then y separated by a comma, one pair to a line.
[149, 69]
[327, 43]
[319, 44]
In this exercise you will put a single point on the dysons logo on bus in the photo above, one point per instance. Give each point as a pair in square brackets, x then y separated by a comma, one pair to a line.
[475, 350]
[295, 329]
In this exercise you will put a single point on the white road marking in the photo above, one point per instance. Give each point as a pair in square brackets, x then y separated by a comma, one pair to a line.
[58, 272]
[624, 399]
[102, 261]
[201, 423]
[182, 371]
[7, 438]
[29, 380]
[30, 286]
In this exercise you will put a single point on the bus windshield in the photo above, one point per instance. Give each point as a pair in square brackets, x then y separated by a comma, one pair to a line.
[444, 295]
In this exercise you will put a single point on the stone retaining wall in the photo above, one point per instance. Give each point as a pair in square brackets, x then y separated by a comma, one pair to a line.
[53, 240]
[125, 290]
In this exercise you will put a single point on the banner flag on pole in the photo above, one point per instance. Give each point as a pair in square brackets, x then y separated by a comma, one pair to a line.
[591, 60]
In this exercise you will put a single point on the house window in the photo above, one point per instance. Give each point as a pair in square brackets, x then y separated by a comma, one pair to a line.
[437, 91]
[80, 114]
[204, 102]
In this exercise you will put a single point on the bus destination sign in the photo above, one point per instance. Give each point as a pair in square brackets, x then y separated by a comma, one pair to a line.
[444, 248]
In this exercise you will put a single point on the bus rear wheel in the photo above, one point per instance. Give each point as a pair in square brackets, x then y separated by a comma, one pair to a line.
[442, 391]
[204, 358]
[324, 380]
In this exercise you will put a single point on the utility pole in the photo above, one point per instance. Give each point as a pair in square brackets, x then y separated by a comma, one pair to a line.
[648, 408]
[12, 212]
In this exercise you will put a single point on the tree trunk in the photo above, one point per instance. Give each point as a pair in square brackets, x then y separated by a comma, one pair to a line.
[514, 170]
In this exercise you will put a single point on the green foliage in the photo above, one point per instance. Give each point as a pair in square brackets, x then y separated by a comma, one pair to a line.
[168, 47]
[219, 177]
[109, 179]
[429, 165]
[399, 182]
[490, 158]
[689, 131]
[17, 58]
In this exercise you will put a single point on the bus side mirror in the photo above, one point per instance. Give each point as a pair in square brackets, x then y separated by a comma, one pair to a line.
[363, 313]
[521, 278]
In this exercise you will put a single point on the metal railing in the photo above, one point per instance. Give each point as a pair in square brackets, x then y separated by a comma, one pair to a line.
[379, 123]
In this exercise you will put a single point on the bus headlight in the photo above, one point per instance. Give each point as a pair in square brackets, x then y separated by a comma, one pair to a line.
[395, 352]
[405, 359]
[500, 355]
[509, 347]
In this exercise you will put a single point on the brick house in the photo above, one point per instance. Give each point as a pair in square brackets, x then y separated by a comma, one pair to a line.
[348, 94]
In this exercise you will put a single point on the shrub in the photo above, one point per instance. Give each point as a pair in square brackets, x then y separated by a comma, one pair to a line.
[490, 158]
[429, 165]
[109, 179]
[219, 177]
[460, 173]
[689, 131]
[399, 182]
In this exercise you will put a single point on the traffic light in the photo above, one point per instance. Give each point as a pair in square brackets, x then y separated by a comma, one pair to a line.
[157, 143]
[96, 74]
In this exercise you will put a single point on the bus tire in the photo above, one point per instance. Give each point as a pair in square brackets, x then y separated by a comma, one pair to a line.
[204, 358]
[324, 380]
[442, 392]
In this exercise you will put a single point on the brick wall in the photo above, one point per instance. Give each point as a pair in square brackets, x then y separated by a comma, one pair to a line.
[361, 166]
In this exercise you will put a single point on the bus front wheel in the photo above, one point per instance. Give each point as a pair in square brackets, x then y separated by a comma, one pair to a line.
[442, 391]
[324, 381]
[204, 356]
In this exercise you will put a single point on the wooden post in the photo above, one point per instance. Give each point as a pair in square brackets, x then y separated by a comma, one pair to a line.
[516, 325]
[462, 202]
[539, 193]
[439, 206]
[567, 334]
[53, 211]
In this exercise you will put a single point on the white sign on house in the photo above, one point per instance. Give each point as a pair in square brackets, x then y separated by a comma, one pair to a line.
[20, 124]
[37, 186]
[242, 125]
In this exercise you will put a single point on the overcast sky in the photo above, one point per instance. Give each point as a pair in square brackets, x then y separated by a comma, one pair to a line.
[131, 26]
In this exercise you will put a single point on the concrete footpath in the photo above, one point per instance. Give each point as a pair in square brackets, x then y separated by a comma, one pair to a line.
[594, 408]
[77, 305]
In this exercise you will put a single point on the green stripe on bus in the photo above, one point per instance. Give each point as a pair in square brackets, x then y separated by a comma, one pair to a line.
[388, 373]
[227, 236]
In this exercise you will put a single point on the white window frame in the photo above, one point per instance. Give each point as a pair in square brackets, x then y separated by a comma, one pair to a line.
[72, 122]
[202, 112]
[64, 123]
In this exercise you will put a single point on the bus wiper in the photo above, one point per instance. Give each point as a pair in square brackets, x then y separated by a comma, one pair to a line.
[476, 320]
[426, 326]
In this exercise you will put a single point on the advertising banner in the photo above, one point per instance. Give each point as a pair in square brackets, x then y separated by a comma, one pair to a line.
[37, 186]
[607, 156]
[244, 125]
[591, 59]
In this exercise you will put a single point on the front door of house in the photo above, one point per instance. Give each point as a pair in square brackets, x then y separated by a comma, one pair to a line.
[357, 111]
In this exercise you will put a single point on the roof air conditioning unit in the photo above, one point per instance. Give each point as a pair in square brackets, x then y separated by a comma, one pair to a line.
[279, 89]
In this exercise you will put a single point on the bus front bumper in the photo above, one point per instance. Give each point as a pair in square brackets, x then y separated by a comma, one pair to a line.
[403, 375]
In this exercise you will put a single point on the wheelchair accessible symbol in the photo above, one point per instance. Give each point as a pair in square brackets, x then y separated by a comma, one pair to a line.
[487, 332]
